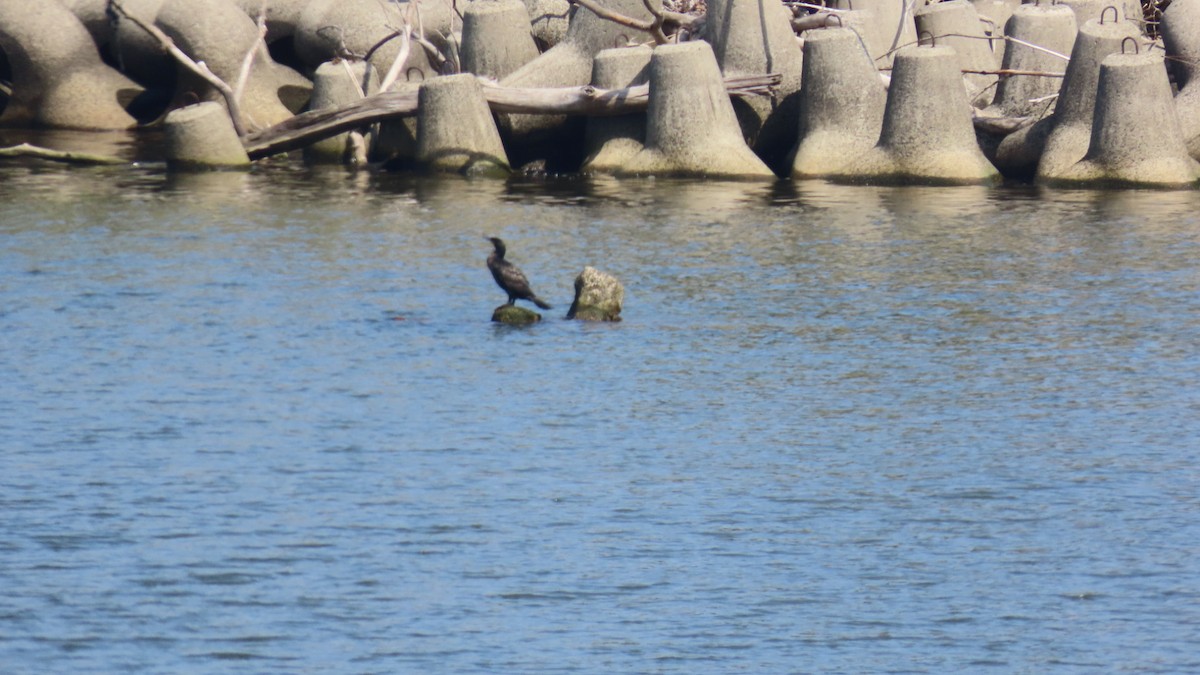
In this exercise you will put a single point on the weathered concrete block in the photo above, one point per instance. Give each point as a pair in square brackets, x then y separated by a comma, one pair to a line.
[135, 53]
[220, 34]
[328, 29]
[995, 15]
[455, 130]
[754, 37]
[1181, 36]
[598, 297]
[1136, 136]
[610, 142]
[691, 129]
[886, 26]
[841, 104]
[1086, 10]
[334, 85]
[947, 23]
[283, 16]
[549, 20]
[927, 134]
[396, 140]
[567, 64]
[1068, 133]
[1044, 25]
[201, 136]
[496, 40]
[58, 78]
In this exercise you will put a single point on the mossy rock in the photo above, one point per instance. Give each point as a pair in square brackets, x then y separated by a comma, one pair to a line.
[598, 297]
[594, 313]
[515, 316]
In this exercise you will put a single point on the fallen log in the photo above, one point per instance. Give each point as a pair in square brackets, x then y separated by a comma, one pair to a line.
[38, 152]
[309, 127]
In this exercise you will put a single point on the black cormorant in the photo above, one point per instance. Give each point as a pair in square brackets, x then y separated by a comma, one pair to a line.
[510, 277]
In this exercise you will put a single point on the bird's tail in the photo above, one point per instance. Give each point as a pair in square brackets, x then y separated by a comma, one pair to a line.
[540, 302]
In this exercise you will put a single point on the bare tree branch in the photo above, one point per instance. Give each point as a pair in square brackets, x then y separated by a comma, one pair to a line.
[623, 20]
[656, 25]
[307, 128]
[248, 61]
[197, 67]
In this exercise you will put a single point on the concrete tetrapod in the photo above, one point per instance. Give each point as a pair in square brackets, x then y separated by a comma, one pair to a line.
[995, 15]
[328, 29]
[754, 37]
[691, 129]
[1056, 143]
[135, 52]
[1181, 36]
[282, 15]
[220, 34]
[455, 129]
[395, 141]
[567, 64]
[841, 104]
[956, 24]
[927, 135]
[58, 79]
[889, 26]
[548, 20]
[201, 136]
[1043, 25]
[496, 40]
[610, 142]
[334, 85]
[1086, 10]
[1136, 137]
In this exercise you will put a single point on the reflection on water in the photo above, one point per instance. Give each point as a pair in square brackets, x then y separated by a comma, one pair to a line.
[261, 419]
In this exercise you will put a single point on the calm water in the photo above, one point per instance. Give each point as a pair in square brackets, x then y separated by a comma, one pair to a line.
[261, 423]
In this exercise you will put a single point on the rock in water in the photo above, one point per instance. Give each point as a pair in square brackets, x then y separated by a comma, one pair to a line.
[598, 297]
[515, 316]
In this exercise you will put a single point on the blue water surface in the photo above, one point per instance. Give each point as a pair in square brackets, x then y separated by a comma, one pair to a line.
[262, 423]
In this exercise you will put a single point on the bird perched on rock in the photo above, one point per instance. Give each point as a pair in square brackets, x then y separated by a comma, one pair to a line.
[510, 278]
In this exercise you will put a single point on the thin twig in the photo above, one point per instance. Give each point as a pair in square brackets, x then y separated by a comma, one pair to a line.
[393, 73]
[1005, 72]
[248, 62]
[1039, 48]
[984, 37]
[1008, 72]
[358, 86]
[809, 5]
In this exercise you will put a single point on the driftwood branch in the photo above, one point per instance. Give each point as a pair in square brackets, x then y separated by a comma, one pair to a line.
[1004, 72]
[248, 61]
[1008, 72]
[656, 30]
[309, 127]
[37, 152]
[653, 26]
[231, 99]
[989, 38]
